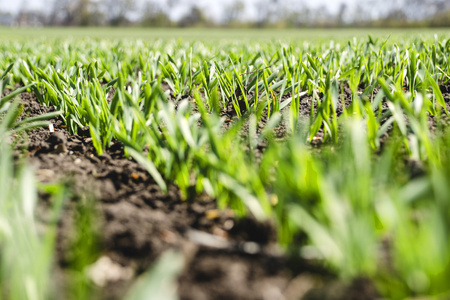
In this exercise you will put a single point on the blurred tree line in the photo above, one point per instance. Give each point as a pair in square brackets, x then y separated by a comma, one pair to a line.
[269, 13]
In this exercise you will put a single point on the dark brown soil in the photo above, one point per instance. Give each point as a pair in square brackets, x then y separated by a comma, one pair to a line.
[135, 222]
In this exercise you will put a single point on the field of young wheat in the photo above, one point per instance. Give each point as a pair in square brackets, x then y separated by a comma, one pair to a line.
[238, 168]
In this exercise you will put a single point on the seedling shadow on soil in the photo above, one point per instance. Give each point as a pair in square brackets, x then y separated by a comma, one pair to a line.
[133, 222]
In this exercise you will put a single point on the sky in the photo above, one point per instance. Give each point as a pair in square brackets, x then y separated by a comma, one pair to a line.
[13, 6]
[213, 7]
